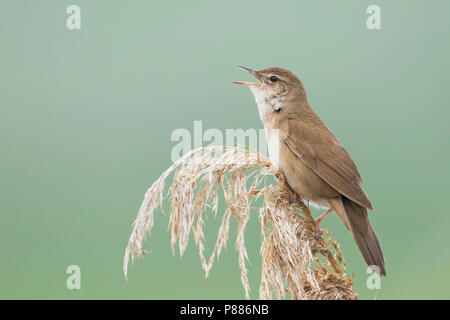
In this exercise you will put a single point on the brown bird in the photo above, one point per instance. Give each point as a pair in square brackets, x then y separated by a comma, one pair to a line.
[313, 161]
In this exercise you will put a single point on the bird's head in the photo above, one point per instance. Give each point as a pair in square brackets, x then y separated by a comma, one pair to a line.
[275, 90]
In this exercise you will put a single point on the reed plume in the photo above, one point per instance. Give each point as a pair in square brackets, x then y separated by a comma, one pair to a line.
[296, 262]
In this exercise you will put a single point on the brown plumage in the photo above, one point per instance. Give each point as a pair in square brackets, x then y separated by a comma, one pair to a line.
[315, 164]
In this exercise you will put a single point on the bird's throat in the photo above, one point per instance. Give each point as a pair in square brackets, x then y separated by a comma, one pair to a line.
[268, 106]
[268, 102]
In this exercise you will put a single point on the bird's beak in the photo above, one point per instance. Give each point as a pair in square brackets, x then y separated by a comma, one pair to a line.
[252, 72]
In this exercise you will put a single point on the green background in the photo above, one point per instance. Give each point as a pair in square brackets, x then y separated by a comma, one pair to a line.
[86, 118]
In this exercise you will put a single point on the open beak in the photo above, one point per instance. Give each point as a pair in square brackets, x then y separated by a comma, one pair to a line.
[252, 72]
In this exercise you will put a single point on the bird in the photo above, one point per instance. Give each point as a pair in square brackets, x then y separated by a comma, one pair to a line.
[314, 163]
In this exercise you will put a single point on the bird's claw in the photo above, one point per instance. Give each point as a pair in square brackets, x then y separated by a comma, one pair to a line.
[318, 231]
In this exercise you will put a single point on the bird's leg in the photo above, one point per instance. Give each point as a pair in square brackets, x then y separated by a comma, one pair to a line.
[294, 198]
[321, 218]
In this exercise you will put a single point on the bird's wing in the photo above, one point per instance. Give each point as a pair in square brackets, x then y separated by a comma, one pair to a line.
[321, 152]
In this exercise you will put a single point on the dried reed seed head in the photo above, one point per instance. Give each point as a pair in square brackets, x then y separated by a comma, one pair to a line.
[295, 260]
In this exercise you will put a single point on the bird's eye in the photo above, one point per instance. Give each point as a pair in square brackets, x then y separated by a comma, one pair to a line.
[274, 78]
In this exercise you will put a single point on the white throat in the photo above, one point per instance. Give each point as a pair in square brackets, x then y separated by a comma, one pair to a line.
[269, 103]
[266, 100]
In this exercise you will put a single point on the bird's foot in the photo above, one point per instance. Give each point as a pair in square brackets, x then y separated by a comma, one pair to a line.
[318, 230]
[294, 198]
[317, 221]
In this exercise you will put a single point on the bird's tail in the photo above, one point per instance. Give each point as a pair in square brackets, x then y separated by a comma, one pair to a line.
[365, 237]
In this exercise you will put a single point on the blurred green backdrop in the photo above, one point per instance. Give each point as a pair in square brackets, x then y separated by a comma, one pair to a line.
[86, 118]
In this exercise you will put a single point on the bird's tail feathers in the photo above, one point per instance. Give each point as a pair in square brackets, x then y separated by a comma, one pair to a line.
[364, 235]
